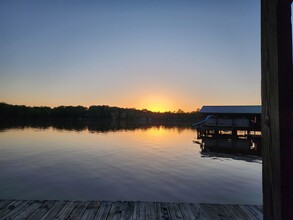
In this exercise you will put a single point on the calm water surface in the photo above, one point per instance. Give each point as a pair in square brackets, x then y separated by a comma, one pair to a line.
[146, 164]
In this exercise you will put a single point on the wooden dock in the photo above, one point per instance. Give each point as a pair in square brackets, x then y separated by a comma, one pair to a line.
[49, 209]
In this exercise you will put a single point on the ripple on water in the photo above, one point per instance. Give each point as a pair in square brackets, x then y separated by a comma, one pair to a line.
[122, 165]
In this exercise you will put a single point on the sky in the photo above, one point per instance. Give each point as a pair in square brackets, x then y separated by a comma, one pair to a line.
[162, 55]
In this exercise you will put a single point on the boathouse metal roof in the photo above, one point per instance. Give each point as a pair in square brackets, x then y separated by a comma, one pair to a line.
[232, 109]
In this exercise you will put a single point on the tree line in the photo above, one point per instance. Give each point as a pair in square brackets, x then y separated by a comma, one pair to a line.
[92, 125]
[94, 112]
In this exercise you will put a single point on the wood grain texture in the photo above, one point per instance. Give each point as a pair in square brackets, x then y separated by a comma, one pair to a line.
[103, 210]
[12, 214]
[9, 207]
[186, 211]
[127, 211]
[78, 210]
[215, 212]
[4, 203]
[115, 211]
[139, 211]
[29, 210]
[91, 210]
[151, 211]
[197, 211]
[42, 210]
[175, 211]
[237, 212]
[277, 108]
[251, 212]
[163, 211]
[54, 210]
[66, 210]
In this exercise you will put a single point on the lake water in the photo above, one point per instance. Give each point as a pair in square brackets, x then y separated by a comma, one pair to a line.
[153, 163]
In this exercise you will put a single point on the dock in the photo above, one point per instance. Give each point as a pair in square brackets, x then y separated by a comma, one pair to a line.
[235, 128]
[54, 209]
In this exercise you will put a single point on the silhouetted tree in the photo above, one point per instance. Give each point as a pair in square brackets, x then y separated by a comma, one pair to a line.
[103, 112]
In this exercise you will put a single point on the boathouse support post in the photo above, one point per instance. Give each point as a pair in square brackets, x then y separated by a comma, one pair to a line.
[277, 108]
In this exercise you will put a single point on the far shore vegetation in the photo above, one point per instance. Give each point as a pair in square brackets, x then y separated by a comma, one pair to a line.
[100, 112]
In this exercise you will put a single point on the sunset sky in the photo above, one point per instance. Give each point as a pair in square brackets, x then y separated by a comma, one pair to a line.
[156, 54]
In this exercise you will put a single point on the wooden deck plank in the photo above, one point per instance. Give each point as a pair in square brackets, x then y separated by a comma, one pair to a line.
[163, 211]
[237, 211]
[151, 211]
[215, 211]
[127, 210]
[66, 210]
[115, 211]
[139, 211]
[4, 203]
[231, 211]
[219, 211]
[186, 211]
[14, 209]
[175, 211]
[198, 212]
[252, 212]
[78, 210]
[103, 211]
[42, 210]
[259, 208]
[29, 210]
[18, 209]
[52, 213]
[9, 207]
[91, 210]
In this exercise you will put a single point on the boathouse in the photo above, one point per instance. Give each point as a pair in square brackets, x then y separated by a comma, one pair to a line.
[231, 118]
[230, 127]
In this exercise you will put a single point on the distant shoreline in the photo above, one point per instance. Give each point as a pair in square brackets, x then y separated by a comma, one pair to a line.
[92, 125]
[101, 112]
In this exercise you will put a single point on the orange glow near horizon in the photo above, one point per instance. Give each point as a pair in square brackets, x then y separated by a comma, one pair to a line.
[157, 108]
[157, 104]
[157, 132]
[149, 134]
[152, 103]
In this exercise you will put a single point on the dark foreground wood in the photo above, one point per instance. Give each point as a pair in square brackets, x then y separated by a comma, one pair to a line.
[28, 209]
[277, 108]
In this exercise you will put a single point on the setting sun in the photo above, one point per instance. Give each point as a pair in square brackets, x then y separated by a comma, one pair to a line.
[157, 104]
[157, 108]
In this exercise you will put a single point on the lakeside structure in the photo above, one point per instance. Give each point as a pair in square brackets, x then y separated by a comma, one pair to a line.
[230, 127]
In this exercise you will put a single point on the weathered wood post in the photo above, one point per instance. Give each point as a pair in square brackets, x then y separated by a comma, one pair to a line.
[277, 105]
